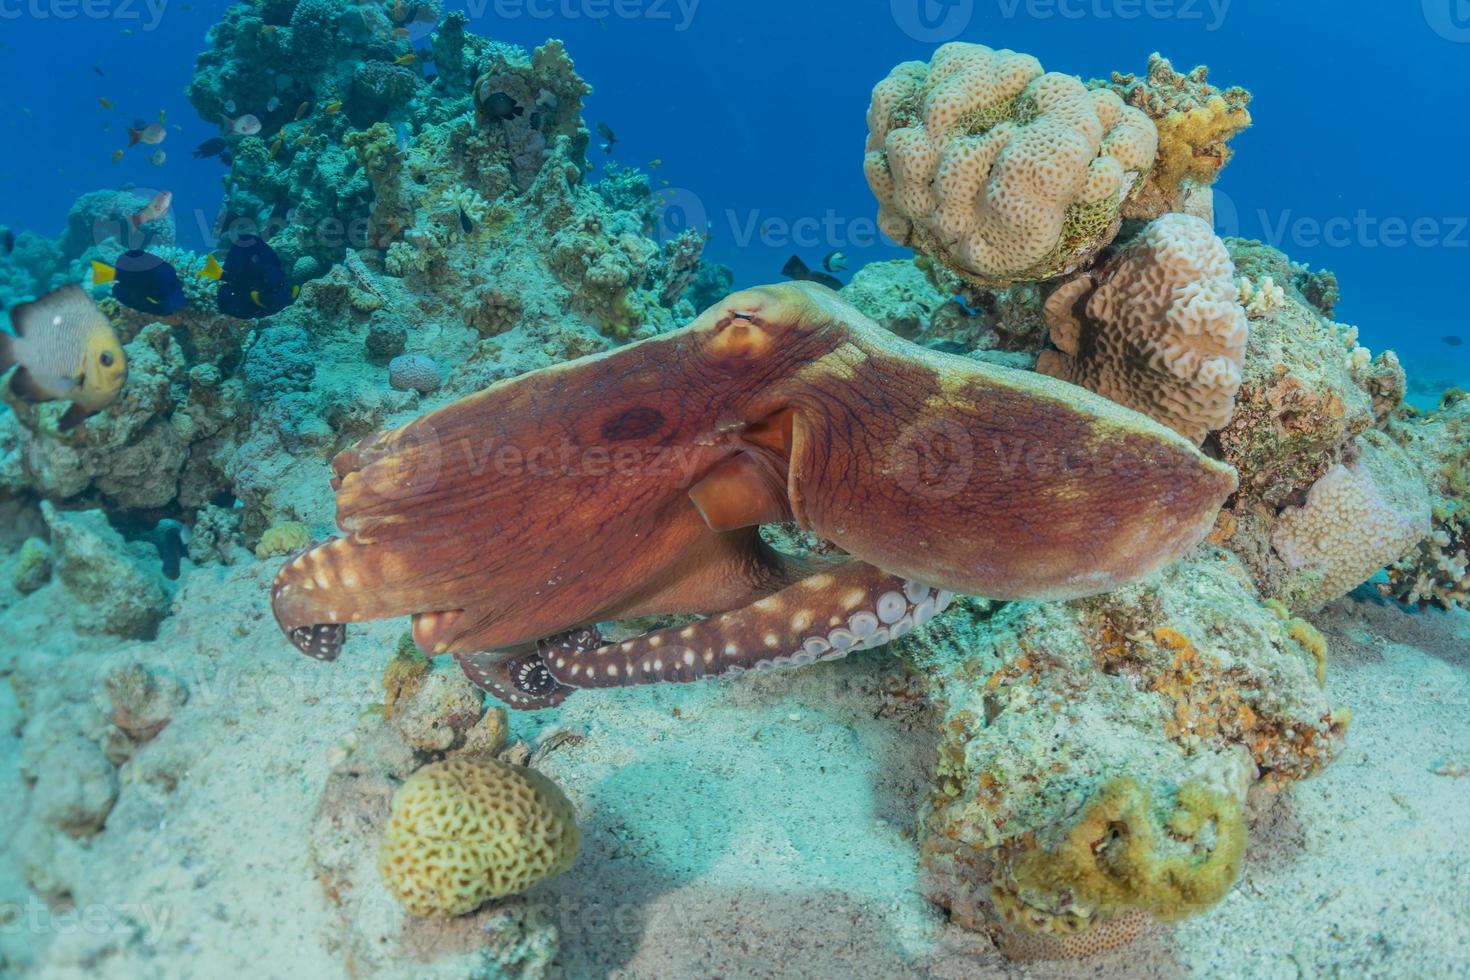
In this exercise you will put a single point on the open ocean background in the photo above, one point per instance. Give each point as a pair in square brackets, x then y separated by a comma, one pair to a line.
[756, 110]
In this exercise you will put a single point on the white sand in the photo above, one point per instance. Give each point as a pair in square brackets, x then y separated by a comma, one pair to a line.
[756, 828]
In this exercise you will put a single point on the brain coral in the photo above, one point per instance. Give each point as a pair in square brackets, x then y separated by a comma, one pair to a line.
[999, 170]
[1357, 518]
[1156, 327]
[465, 831]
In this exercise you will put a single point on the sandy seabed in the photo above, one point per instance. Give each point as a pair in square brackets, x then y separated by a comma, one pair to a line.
[758, 827]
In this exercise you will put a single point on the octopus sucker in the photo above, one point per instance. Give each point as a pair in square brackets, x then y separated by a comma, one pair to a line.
[937, 474]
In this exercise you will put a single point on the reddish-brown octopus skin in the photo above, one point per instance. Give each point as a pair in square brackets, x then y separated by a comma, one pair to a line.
[631, 483]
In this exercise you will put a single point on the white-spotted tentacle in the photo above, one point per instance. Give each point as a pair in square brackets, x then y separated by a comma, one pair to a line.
[822, 617]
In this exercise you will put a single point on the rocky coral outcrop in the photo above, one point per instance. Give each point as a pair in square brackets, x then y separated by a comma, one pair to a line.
[1437, 570]
[1098, 758]
[119, 588]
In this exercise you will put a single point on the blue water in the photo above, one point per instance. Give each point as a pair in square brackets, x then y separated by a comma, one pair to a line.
[1356, 161]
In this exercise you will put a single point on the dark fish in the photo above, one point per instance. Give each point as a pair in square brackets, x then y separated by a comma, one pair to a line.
[227, 157]
[168, 538]
[1454, 341]
[98, 70]
[7, 241]
[211, 148]
[465, 223]
[605, 131]
[795, 268]
[949, 347]
[251, 282]
[501, 107]
[142, 282]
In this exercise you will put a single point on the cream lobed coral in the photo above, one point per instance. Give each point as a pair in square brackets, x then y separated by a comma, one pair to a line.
[465, 831]
[1156, 327]
[1359, 517]
[1001, 171]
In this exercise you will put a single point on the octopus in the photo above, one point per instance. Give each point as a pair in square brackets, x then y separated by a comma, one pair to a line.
[510, 524]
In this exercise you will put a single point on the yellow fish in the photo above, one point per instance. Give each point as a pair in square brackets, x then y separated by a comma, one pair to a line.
[117, 155]
[212, 269]
[404, 59]
[655, 164]
[64, 349]
[333, 107]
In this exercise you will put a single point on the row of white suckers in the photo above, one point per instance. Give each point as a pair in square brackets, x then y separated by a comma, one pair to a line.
[896, 614]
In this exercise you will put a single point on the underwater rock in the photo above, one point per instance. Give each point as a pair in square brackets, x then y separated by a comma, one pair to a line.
[117, 592]
[143, 699]
[385, 338]
[215, 536]
[280, 362]
[897, 295]
[1002, 172]
[75, 786]
[414, 372]
[437, 713]
[32, 566]
[1437, 571]
[1074, 733]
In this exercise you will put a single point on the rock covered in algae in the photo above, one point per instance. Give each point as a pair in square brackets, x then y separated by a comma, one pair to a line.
[1098, 758]
[120, 589]
[1437, 570]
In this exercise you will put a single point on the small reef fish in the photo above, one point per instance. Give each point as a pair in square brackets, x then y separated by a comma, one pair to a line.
[305, 136]
[834, 262]
[252, 283]
[155, 209]
[301, 110]
[117, 155]
[246, 125]
[332, 107]
[465, 224]
[1453, 340]
[142, 281]
[171, 539]
[106, 104]
[97, 70]
[159, 158]
[405, 59]
[272, 104]
[610, 138]
[210, 148]
[230, 107]
[655, 164]
[795, 268]
[149, 135]
[64, 349]
[500, 107]
[7, 241]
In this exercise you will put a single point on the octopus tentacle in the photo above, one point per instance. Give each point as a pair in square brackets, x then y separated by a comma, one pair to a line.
[521, 679]
[852, 606]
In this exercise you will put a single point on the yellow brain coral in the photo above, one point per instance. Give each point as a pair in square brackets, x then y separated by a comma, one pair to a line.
[1001, 171]
[285, 538]
[465, 831]
[1157, 327]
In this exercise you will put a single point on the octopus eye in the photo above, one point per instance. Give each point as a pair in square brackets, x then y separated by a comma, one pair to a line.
[530, 676]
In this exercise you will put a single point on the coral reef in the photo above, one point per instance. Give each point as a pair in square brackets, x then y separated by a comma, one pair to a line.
[1437, 571]
[1002, 172]
[285, 538]
[119, 588]
[1046, 823]
[465, 831]
[1155, 327]
[414, 372]
[1195, 121]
